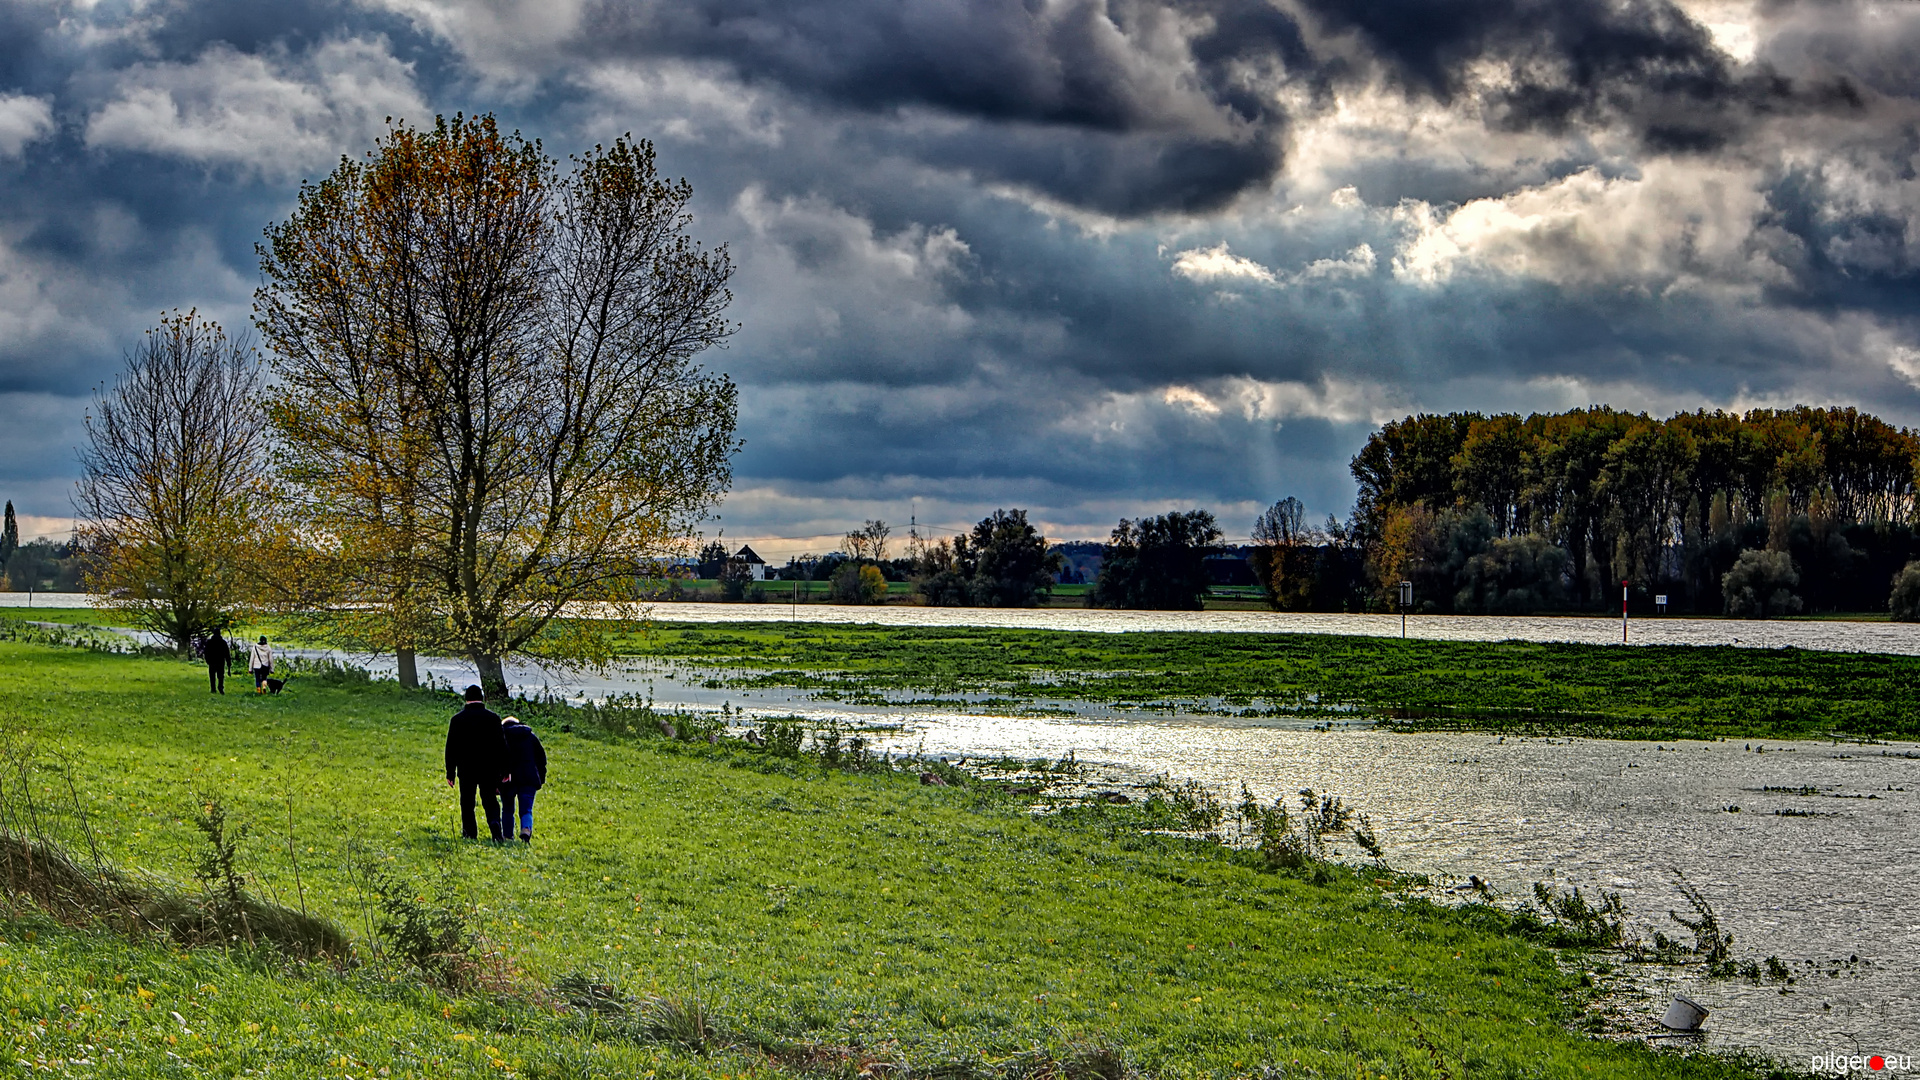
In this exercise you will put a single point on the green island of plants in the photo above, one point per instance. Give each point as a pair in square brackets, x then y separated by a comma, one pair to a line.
[700, 910]
[1650, 692]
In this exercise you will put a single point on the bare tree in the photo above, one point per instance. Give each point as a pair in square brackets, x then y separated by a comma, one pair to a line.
[868, 542]
[171, 490]
[1284, 550]
[507, 357]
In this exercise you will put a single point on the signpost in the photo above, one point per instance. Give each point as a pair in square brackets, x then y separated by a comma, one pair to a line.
[1406, 601]
[1623, 613]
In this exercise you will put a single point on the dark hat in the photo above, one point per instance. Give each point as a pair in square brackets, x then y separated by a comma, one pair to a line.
[263, 639]
[474, 693]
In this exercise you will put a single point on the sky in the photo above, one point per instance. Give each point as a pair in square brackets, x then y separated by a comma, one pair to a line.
[1093, 260]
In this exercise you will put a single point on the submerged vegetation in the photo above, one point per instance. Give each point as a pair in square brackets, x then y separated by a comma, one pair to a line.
[705, 907]
[1651, 692]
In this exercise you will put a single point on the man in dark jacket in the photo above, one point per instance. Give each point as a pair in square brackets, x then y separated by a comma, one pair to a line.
[477, 755]
[217, 653]
[528, 761]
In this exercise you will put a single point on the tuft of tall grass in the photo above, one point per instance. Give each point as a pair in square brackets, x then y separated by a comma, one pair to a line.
[1291, 841]
[37, 869]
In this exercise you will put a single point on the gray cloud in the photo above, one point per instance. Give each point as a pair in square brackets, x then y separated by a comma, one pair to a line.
[1090, 258]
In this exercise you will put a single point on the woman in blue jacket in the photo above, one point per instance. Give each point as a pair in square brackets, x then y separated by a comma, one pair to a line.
[527, 761]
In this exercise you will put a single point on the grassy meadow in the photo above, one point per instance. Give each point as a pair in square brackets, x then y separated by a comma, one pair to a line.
[825, 921]
[1650, 692]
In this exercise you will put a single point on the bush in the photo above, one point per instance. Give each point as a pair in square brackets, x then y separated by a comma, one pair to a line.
[433, 936]
[1761, 584]
[859, 583]
[1904, 604]
[782, 738]
[1292, 842]
[1515, 575]
[735, 576]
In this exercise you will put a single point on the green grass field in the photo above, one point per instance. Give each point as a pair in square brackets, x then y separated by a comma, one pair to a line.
[1653, 692]
[823, 918]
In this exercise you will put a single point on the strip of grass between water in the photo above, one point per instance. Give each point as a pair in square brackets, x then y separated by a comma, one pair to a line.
[1650, 692]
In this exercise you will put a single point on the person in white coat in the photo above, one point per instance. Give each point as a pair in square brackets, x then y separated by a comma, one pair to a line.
[260, 662]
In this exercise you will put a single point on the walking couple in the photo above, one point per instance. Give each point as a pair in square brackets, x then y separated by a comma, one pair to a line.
[217, 651]
[497, 760]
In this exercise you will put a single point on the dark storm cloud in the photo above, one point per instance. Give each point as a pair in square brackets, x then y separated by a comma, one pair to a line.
[1843, 256]
[1126, 108]
[1643, 62]
[1132, 108]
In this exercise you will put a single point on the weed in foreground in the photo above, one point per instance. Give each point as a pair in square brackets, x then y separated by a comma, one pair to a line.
[1291, 842]
[432, 936]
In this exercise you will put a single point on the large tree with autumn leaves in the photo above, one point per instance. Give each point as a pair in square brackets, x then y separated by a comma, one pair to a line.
[494, 407]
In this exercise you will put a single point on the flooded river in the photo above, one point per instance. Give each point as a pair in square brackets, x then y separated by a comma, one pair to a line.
[1820, 863]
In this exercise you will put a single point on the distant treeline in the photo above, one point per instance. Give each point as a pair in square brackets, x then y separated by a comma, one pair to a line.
[1756, 513]
[37, 565]
[1763, 513]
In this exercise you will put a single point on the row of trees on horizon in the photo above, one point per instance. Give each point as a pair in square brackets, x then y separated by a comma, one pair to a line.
[1756, 513]
[1764, 513]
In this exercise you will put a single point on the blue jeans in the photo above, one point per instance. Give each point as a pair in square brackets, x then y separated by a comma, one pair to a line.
[524, 796]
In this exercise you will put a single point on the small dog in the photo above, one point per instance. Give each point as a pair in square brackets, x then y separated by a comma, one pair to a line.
[274, 686]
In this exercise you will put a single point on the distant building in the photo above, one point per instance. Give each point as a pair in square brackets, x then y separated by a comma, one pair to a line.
[756, 566]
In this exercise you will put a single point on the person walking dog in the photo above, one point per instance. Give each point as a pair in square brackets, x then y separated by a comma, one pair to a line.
[477, 756]
[260, 662]
[217, 653]
[528, 761]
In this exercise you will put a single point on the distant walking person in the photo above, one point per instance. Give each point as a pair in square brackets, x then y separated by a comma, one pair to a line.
[527, 760]
[477, 755]
[260, 662]
[217, 653]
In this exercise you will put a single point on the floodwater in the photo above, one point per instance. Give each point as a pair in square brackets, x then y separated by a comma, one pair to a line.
[1833, 879]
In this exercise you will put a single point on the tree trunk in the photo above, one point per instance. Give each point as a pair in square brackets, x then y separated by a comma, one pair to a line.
[409, 671]
[493, 676]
